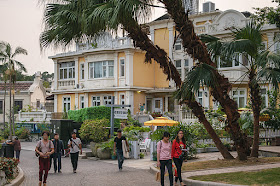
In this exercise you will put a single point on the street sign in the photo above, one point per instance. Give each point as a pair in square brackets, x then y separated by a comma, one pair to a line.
[120, 113]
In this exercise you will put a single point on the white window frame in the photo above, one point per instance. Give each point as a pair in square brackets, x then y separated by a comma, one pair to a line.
[264, 95]
[178, 43]
[199, 97]
[67, 67]
[180, 69]
[107, 99]
[122, 100]
[95, 101]
[239, 95]
[82, 101]
[82, 71]
[186, 67]
[122, 65]
[67, 102]
[105, 69]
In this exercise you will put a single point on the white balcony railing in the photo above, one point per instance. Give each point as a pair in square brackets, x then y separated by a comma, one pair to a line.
[66, 83]
[38, 116]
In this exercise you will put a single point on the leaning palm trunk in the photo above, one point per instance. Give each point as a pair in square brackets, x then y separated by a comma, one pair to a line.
[195, 48]
[256, 107]
[160, 56]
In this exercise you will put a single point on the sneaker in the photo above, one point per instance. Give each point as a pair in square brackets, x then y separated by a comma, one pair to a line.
[59, 172]
[74, 171]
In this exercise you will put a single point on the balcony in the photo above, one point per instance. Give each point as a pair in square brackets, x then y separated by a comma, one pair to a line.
[36, 116]
[106, 42]
[234, 74]
[66, 84]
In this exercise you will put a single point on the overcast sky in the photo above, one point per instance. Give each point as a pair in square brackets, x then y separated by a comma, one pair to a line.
[21, 25]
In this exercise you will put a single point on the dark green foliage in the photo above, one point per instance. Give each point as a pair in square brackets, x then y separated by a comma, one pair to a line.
[23, 133]
[94, 130]
[92, 113]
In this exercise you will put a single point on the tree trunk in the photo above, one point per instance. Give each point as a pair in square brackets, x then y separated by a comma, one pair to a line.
[199, 113]
[142, 41]
[13, 109]
[4, 106]
[256, 107]
[10, 114]
[198, 51]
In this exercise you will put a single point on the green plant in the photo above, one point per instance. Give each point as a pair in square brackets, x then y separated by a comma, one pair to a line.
[202, 145]
[8, 165]
[132, 122]
[142, 155]
[23, 133]
[108, 144]
[92, 113]
[94, 130]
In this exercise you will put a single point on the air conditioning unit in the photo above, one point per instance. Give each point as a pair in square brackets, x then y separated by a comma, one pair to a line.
[208, 7]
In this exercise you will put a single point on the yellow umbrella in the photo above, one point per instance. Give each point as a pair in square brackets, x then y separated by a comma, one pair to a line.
[161, 121]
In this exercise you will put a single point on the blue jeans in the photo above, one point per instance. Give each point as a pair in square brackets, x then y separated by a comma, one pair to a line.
[17, 154]
[57, 161]
[120, 158]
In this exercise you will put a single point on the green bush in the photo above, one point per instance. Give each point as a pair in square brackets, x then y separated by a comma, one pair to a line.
[94, 130]
[140, 129]
[92, 113]
[23, 133]
[191, 138]
[108, 144]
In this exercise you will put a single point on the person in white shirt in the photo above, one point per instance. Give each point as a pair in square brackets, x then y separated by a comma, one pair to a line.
[75, 145]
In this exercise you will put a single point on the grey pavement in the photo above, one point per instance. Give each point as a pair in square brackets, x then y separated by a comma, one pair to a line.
[91, 173]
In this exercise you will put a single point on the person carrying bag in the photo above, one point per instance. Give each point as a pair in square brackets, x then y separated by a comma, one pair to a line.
[179, 144]
[164, 148]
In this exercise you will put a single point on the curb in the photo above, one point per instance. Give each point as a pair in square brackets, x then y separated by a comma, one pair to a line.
[191, 182]
[18, 180]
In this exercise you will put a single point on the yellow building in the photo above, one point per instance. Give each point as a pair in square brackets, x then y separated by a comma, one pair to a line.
[112, 66]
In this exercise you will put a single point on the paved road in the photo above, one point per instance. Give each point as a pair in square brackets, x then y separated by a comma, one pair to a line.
[91, 173]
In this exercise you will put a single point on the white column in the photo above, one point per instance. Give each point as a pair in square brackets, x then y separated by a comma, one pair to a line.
[116, 97]
[116, 67]
[76, 71]
[86, 100]
[130, 100]
[86, 68]
[152, 32]
[55, 81]
[55, 103]
[166, 103]
[129, 68]
[270, 41]
[76, 101]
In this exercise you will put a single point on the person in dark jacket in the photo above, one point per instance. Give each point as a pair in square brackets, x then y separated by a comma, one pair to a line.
[58, 152]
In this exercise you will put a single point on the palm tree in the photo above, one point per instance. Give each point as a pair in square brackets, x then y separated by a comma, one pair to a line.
[8, 59]
[263, 66]
[220, 90]
[75, 21]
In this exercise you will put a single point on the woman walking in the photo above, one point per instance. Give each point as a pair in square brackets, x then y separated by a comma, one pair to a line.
[179, 143]
[164, 148]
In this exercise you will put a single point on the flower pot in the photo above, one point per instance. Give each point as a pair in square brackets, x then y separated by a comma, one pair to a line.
[200, 150]
[212, 149]
[103, 153]
[93, 148]
[114, 157]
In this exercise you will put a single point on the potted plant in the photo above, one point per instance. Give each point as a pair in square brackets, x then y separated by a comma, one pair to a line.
[155, 156]
[142, 155]
[201, 148]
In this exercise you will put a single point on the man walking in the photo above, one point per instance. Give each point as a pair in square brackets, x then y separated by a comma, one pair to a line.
[75, 145]
[118, 144]
[44, 148]
[17, 147]
[58, 152]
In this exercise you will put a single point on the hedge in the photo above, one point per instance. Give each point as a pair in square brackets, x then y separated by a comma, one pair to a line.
[92, 113]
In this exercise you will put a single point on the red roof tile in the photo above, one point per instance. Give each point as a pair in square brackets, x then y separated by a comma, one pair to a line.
[21, 86]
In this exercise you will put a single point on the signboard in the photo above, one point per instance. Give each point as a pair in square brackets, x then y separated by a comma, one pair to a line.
[120, 113]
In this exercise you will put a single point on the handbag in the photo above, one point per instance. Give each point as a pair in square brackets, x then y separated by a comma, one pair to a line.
[125, 150]
[39, 149]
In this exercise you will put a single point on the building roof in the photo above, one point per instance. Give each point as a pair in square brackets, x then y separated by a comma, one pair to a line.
[19, 85]
[165, 16]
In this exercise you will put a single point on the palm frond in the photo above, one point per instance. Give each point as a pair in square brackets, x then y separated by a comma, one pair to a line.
[270, 74]
[19, 50]
[21, 66]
